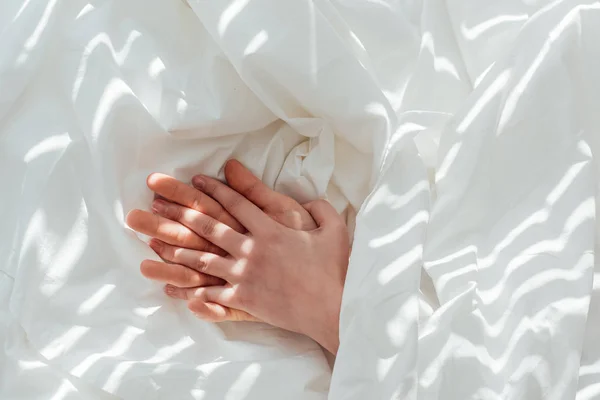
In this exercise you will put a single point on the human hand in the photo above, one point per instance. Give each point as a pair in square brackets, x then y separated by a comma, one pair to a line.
[288, 278]
[281, 208]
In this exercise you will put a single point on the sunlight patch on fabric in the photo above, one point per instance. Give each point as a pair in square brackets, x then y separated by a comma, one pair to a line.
[230, 13]
[48, 145]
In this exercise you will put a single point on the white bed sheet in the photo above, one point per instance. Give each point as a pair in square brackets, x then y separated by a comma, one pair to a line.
[464, 133]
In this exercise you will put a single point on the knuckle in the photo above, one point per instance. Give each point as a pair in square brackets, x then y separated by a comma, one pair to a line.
[255, 262]
[249, 190]
[201, 265]
[177, 212]
[196, 202]
[244, 299]
[241, 271]
[207, 227]
[181, 237]
[248, 277]
[234, 202]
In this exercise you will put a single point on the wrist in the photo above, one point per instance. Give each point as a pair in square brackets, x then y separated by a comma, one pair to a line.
[325, 329]
[331, 340]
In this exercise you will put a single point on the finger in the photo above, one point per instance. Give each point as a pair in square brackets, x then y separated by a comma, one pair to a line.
[213, 312]
[177, 275]
[169, 231]
[222, 295]
[207, 310]
[324, 214]
[248, 214]
[240, 179]
[209, 228]
[279, 207]
[178, 292]
[205, 263]
[176, 191]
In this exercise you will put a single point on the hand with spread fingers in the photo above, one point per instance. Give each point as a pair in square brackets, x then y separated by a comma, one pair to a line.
[168, 234]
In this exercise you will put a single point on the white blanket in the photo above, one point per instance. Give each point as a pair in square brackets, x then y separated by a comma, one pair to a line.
[464, 133]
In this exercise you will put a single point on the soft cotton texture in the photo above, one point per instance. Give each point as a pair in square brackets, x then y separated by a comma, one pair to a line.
[464, 134]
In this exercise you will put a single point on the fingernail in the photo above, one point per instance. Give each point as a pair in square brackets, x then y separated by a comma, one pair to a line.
[155, 245]
[170, 290]
[159, 206]
[198, 182]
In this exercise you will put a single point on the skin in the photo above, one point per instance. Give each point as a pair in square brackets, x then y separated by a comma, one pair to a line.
[280, 208]
[303, 295]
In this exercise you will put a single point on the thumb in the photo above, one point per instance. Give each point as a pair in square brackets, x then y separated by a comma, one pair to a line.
[240, 179]
[324, 214]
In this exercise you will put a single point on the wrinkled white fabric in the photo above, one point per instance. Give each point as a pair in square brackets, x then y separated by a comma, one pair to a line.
[464, 133]
[507, 236]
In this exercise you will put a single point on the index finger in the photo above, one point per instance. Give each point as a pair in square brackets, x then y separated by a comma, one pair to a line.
[169, 231]
[246, 212]
[178, 192]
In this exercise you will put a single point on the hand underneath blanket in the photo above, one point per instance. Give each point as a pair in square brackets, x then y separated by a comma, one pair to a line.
[281, 208]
